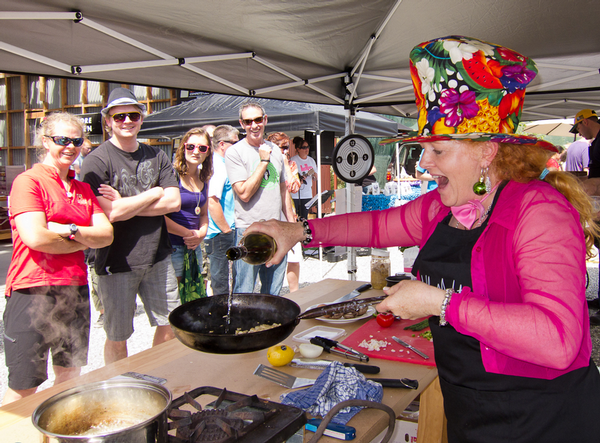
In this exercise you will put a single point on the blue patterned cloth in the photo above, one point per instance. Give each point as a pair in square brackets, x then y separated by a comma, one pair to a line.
[336, 383]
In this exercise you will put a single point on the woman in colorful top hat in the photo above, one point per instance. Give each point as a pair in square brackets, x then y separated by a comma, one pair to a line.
[506, 296]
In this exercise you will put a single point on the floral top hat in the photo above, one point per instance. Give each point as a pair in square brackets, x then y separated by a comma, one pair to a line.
[470, 89]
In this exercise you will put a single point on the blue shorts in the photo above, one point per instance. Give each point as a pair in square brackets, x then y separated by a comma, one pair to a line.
[156, 287]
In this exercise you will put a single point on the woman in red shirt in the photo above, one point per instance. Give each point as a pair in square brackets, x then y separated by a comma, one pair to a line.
[54, 218]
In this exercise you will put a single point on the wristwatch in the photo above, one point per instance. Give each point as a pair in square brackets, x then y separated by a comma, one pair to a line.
[73, 228]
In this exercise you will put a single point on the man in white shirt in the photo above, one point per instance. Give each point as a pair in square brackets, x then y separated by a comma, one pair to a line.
[255, 168]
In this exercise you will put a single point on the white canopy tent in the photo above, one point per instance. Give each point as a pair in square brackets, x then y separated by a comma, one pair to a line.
[345, 52]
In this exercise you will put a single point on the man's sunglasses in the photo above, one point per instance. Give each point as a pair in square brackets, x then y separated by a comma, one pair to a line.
[190, 147]
[257, 120]
[66, 141]
[121, 116]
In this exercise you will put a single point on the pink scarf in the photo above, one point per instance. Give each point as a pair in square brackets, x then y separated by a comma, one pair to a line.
[471, 211]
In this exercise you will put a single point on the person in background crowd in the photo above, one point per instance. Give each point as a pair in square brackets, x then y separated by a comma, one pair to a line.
[292, 183]
[427, 181]
[255, 168]
[187, 227]
[221, 215]
[553, 163]
[504, 294]
[53, 218]
[136, 186]
[307, 169]
[86, 148]
[209, 129]
[587, 125]
[578, 156]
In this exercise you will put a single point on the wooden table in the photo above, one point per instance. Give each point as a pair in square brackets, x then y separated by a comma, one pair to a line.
[186, 369]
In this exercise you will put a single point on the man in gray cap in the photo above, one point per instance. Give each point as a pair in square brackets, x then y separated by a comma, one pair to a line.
[136, 186]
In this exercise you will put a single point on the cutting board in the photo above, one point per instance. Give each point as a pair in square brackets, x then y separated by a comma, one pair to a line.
[393, 351]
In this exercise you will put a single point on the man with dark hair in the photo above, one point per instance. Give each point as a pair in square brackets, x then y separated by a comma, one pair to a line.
[255, 168]
[136, 186]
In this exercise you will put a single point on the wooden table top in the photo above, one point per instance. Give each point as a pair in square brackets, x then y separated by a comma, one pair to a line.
[186, 369]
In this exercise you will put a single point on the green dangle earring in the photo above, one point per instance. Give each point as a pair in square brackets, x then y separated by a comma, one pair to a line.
[479, 188]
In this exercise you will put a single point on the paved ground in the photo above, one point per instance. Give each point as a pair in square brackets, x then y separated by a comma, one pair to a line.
[311, 270]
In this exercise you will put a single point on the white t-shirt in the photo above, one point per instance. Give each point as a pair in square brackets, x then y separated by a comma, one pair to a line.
[303, 167]
[241, 160]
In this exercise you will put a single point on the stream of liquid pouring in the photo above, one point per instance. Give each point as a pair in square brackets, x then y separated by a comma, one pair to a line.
[230, 297]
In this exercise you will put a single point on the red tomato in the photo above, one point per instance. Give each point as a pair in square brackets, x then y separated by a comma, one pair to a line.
[385, 320]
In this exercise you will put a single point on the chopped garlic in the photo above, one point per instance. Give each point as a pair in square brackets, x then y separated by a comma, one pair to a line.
[373, 345]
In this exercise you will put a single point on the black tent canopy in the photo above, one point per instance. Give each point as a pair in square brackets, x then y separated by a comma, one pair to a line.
[285, 116]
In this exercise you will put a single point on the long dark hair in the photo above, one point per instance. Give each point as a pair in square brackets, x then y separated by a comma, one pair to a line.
[180, 164]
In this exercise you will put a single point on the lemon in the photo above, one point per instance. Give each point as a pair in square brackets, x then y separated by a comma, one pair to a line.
[280, 355]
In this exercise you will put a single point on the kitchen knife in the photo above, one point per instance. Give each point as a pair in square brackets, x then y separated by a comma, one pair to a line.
[411, 347]
[355, 293]
[322, 364]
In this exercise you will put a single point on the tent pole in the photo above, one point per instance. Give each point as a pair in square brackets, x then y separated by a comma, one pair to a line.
[350, 122]
[320, 203]
[398, 169]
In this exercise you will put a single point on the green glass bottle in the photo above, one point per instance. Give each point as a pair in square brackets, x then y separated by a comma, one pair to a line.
[254, 249]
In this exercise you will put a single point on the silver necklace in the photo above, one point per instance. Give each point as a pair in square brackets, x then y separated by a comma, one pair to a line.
[480, 220]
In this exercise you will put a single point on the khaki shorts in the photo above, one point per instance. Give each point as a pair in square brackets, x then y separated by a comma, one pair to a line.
[156, 287]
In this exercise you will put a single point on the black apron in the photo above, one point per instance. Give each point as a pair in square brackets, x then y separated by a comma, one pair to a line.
[483, 407]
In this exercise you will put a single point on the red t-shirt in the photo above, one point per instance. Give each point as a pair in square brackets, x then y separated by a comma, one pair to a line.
[40, 189]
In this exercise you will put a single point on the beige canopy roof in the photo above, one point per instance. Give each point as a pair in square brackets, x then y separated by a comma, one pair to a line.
[343, 52]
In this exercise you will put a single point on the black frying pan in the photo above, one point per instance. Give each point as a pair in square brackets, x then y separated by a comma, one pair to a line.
[201, 324]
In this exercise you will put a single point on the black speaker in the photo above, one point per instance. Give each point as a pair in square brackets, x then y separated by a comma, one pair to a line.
[327, 145]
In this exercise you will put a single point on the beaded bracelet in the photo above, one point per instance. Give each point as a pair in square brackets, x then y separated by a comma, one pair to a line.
[445, 303]
[307, 231]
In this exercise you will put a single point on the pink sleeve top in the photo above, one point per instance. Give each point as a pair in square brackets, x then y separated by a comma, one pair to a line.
[527, 306]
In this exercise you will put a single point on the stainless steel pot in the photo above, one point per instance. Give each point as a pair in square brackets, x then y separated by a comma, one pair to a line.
[112, 411]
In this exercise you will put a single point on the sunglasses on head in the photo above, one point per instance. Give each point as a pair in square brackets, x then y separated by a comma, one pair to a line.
[190, 147]
[121, 116]
[257, 120]
[66, 141]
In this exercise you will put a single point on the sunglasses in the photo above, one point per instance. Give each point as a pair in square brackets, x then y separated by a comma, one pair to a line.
[285, 147]
[66, 141]
[190, 147]
[121, 116]
[257, 120]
